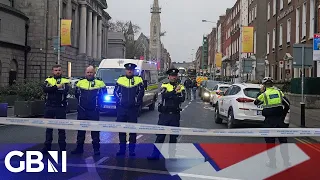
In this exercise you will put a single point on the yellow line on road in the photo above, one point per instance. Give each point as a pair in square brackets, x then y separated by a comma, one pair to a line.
[308, 143]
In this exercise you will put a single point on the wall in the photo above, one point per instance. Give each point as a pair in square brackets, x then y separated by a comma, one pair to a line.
[12, 43]
[116, 50]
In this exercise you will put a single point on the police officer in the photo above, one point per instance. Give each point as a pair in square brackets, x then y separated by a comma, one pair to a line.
[172, 95]
[56, 89]
[89, 91]
[129, 92]
[275, 109]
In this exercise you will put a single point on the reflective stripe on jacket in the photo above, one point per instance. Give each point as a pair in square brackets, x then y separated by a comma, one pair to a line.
[129, 92]
[89, 93]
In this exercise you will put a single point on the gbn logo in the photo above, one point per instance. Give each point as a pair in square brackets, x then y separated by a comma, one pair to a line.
[27, 165]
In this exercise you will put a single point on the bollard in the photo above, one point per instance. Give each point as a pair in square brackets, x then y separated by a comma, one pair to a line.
[303, 115]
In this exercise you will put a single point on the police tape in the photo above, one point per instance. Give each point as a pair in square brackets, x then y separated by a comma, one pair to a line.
[86, 125]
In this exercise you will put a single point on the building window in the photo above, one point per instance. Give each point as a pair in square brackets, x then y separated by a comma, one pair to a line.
[268, 43]
[274, 5]
[304, 21]
[255, 11]
[297, 25]
[280, 35]
[288, 31]
[312, 9]
[255, 42]
[281, 4]
[289, 1]
[269, 8]
[273, 39]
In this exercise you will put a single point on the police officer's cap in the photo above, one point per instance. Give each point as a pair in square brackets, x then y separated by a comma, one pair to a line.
[173, 72]
[130, 66]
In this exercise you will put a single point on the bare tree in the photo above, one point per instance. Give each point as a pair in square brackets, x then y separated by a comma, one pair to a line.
[123, 26]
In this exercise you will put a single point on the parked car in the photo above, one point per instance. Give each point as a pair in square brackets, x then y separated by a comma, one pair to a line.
[216, 93]
[207, 90]
[201, 87]
[236, 105]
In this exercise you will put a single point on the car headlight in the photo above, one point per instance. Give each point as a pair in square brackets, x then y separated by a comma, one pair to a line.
[206, 94]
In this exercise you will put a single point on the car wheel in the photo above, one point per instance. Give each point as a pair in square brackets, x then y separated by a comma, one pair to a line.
[217, 118]
[153, 105]
[230, 122]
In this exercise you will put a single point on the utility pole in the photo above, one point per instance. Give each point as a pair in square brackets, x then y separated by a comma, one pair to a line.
[316, 71]
[59, 28]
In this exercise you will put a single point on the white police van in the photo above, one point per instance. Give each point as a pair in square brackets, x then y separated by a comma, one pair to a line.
[110, 70]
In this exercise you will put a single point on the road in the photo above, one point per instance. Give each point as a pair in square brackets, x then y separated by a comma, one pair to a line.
[196, 114]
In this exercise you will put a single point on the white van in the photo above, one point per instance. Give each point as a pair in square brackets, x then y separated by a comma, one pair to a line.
[111, 69]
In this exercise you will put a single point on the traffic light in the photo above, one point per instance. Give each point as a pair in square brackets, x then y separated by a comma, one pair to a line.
[204, 52]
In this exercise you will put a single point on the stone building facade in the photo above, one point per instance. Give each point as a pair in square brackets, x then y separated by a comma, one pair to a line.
[116, 45]
[13, 43]
[89, 33]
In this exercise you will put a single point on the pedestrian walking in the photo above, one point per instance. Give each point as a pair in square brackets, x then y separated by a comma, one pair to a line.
[172, 94]
[129, 92]
[194, 88]
[56, 89]
[188, 86]
[89, 91]
[275, 108]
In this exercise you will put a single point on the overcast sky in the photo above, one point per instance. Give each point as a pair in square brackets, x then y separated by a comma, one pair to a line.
[181, 19]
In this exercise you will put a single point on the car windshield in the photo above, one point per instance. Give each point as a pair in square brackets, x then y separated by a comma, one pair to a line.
[110, 75]
[251, 92]
[223, 88]
[211, 84]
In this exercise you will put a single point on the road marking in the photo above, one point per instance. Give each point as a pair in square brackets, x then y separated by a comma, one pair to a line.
[2, 125]
[254, 167]
[72, 113]
[209, 108]
[186, 107]
[128, 135]
[101, 160]
[189, 102]
[308, 144]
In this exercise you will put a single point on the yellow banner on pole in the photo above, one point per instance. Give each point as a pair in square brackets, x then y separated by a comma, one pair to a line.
[247, 39]
[65, 32]
[218, 59]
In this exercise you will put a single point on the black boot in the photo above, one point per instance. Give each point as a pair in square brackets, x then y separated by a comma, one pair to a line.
[78, 150]
[96, 148]
[132, 147]
[46, 148]
[62, 147]
[122, 150]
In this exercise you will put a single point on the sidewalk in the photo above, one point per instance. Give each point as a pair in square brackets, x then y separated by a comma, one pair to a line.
[312, 119]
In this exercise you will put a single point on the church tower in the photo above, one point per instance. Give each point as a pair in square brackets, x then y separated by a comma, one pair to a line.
[155, 30]
[130, 33]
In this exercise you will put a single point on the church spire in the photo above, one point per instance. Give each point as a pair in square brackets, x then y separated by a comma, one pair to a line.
[130, 29]
[155, 8]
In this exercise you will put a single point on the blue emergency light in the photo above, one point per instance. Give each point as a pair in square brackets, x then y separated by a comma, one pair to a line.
[107, 98]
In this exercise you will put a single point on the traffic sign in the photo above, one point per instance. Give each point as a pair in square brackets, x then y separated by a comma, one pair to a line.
[316, 47]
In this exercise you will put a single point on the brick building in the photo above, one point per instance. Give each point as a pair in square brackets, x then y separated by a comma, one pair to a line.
[226, 46]
[288, 22]
[212, 49]
[258, 20]
[199, 58]
[235, 38]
